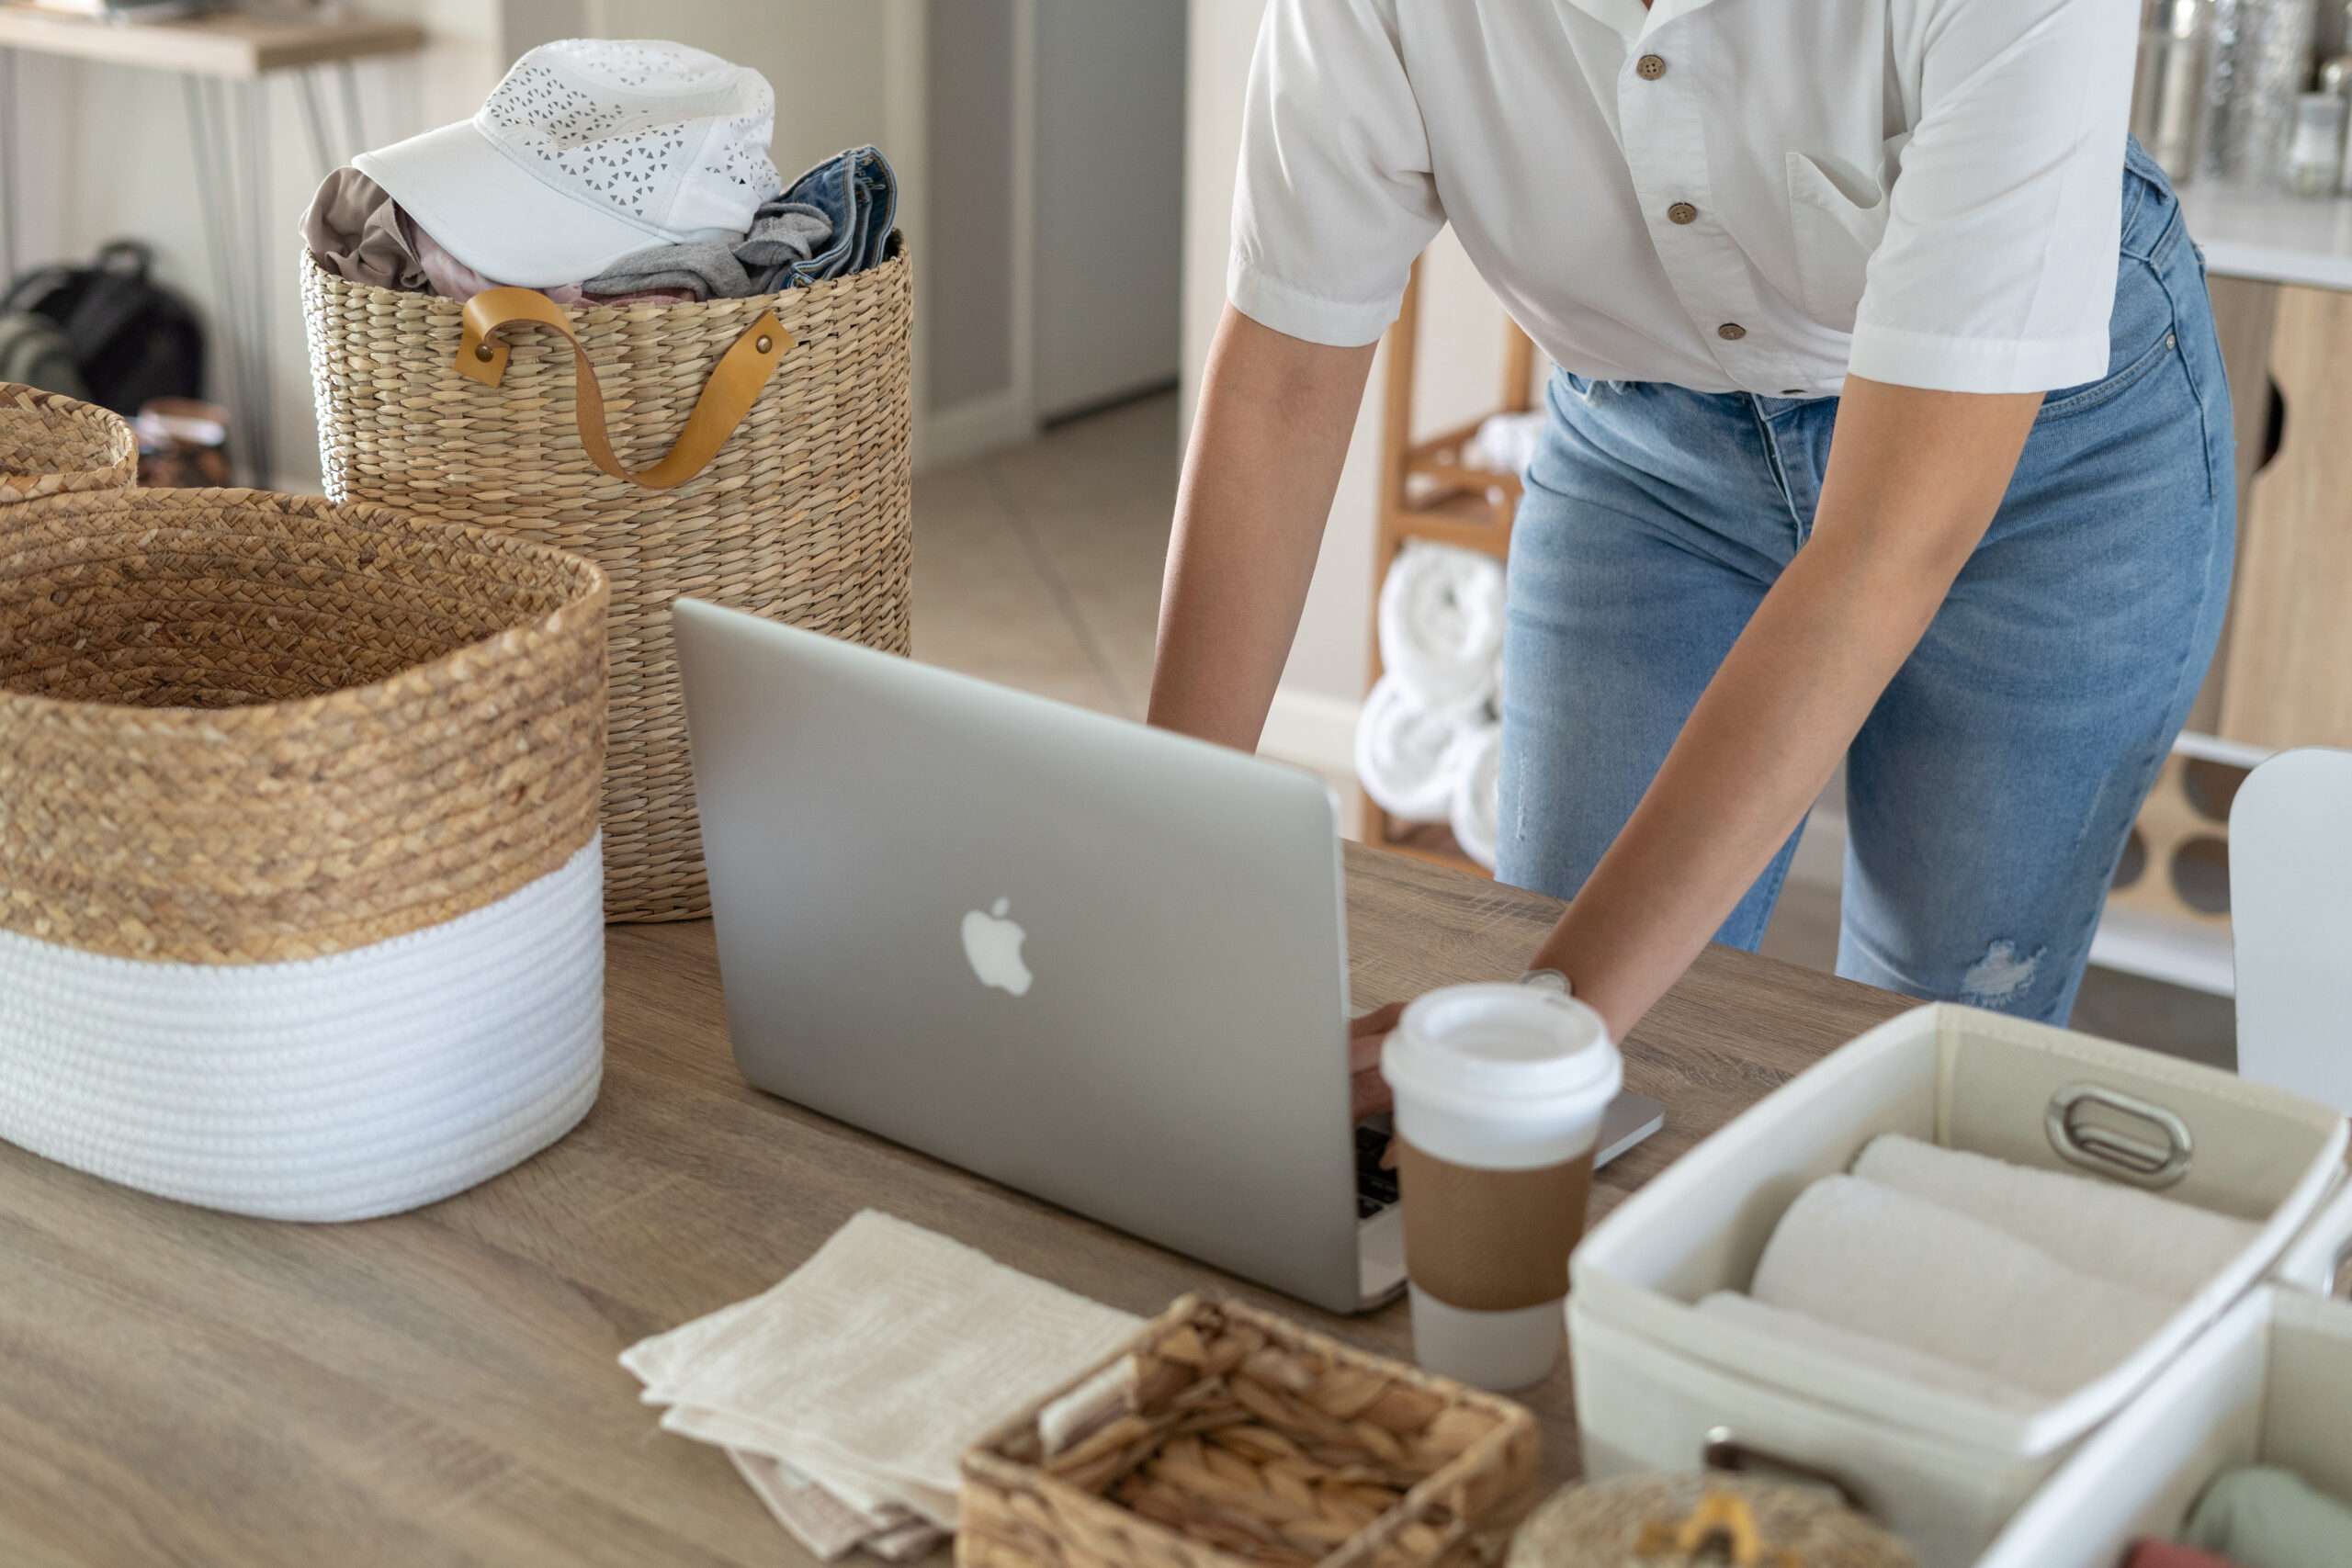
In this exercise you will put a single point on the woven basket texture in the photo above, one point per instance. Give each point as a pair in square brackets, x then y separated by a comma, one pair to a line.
[1248, 1439]
[1640, 1521]
[805, 516]
[49, 444]
[242, 728]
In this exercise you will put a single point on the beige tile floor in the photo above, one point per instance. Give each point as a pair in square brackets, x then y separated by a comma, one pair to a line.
[1039, 567]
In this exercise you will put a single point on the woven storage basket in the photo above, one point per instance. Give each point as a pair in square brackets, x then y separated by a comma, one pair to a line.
[49, 444]
[803, 515]
[299, 906]
[1237, 1437]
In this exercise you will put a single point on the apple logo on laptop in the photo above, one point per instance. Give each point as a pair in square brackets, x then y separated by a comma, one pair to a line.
[993, 945]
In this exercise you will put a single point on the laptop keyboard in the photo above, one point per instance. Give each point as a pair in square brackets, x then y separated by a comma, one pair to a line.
[1375, 1188]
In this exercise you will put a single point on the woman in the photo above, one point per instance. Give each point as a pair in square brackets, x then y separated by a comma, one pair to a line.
[1889, 425]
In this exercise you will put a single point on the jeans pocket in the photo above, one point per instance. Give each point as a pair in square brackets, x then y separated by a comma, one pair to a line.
[2090, 395]
[1587, 389]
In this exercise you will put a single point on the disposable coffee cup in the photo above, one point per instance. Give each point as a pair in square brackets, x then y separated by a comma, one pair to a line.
[1500, 1094]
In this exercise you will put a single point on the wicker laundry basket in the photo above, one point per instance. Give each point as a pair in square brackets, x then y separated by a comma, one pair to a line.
[786, 496]
[51, 444]
[300, 892]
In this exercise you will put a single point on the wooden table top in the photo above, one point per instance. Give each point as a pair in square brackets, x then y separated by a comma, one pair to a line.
[228, 43]
[440, 1387]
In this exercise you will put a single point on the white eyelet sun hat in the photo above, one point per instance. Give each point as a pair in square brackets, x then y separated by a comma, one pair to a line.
[588, 150]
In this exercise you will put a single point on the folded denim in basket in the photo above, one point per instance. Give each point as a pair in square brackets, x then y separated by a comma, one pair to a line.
[300, 893]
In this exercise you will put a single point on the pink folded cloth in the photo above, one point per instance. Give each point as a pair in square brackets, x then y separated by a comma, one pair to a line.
[2165, 1554]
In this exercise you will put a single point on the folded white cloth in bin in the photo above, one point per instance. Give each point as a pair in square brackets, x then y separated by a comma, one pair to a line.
[1845, 1345]
[1857, 1256]
[2135, 1238]
[871, 1369]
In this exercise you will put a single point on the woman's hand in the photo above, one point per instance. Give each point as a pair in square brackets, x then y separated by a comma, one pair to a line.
[1368, 1092]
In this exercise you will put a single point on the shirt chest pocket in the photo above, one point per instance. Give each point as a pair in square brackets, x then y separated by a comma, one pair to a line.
[1835, 234]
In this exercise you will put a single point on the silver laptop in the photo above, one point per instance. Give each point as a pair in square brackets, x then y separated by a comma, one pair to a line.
[1090, 960]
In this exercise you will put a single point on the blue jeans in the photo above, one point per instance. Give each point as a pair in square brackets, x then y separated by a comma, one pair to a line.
[1990, 791]
[859, 191]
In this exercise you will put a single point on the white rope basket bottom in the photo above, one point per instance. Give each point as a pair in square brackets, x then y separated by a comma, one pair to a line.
[326, 1088]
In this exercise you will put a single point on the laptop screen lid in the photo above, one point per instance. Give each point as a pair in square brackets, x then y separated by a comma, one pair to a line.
[1093, 960]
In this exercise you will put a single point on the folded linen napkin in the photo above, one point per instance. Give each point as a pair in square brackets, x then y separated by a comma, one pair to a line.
[1441, 622]
[1866, 1349]
[1857, 1256]
[869, 1369]
[2164, 1247]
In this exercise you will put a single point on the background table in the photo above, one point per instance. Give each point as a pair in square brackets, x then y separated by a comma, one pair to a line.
[182, 1386]
[222, 61]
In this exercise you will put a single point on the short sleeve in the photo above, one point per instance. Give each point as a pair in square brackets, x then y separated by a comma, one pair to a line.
[1996, 273]
[1335, 195]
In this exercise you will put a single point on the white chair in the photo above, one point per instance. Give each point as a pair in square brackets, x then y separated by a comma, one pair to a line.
[2290, 917]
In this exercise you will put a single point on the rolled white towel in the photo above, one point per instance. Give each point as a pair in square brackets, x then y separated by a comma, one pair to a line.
[1476, 813]
[1855, 1255]
[2134, 1238]
[1408, 754]
[1505, 443]
[1867, 1349]
[1442, 622]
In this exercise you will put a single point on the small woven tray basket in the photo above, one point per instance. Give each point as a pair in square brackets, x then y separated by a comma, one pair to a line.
[1240, 1437]
[52, 444]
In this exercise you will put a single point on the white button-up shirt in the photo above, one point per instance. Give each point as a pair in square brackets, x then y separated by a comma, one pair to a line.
[1729, 195]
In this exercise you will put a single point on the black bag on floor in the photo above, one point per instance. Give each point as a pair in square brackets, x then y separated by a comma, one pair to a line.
[34, 352]
[132, 339]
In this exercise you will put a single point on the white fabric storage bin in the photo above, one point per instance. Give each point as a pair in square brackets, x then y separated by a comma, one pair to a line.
[1656, 1381]
[2271, 1383]
[2317, 1258]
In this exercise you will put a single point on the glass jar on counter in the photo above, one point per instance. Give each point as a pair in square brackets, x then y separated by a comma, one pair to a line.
[2315, 145]
[2168, 88]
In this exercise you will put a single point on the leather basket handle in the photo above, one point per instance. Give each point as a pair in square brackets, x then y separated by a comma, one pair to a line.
[734, 386]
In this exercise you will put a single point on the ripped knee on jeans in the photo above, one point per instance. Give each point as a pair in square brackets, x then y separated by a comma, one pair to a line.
[2001, 976]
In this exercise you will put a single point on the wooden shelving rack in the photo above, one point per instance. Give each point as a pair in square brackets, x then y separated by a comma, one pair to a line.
[1427, 491]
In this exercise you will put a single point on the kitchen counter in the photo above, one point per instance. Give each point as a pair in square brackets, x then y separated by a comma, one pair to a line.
[2268, 236]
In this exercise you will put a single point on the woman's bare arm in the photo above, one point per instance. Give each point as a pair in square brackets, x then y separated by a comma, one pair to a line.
[1913, 480]
[1268, 443]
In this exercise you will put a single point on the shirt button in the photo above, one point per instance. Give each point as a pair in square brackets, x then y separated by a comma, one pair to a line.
[1682, 212]
[1731, 332]
[1650, 67]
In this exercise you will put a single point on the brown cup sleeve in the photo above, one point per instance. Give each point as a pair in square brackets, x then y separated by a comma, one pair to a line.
[1491, 1240]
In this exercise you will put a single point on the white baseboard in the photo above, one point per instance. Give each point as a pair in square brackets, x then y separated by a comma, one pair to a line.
[1314, 730]
[972, 426]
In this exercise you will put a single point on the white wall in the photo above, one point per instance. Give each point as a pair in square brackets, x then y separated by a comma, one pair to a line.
[824, 58]
[1460, 369]
[1110, 172]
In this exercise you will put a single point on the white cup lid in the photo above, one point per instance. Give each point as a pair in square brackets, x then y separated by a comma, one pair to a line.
[1501, 1046]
